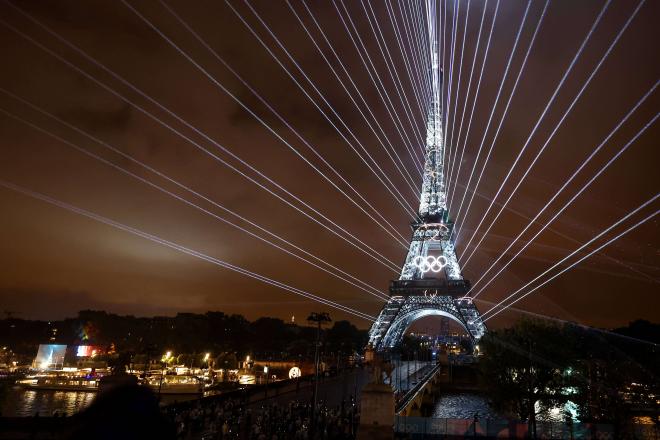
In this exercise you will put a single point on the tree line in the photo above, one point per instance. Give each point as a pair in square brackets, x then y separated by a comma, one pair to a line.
[595, 376]
[215, 332]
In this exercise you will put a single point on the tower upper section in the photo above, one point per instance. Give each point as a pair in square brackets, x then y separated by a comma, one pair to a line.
[431, 253]
[433, 200]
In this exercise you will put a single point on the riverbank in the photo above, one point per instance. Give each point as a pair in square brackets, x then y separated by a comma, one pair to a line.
[335, 393]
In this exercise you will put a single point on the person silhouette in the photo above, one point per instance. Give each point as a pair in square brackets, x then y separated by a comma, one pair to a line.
[472, 428]
[127, 412]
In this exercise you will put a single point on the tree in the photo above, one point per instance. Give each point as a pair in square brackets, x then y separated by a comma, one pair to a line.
[226, 361]
[613, 374]
[344, 337]
[524, 369]
[270, 337]
[118, 362]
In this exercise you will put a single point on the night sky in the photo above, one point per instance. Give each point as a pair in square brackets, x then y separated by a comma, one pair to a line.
[54, 262]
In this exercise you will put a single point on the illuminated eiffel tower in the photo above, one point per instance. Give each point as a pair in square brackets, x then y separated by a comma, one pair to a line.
[430, 282]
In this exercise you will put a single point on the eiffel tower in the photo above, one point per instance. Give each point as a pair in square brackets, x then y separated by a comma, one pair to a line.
[430, 282]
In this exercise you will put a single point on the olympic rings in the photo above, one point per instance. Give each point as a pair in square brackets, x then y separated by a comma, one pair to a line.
[429, 263]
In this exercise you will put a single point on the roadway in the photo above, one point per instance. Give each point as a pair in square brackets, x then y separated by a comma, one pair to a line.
[407, 374]
[332, 390]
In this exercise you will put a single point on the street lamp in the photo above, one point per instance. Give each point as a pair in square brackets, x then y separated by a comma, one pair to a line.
[266, 374]
[166, 358]
[320, 319]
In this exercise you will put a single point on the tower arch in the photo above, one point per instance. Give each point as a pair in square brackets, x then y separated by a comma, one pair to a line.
[399, 327]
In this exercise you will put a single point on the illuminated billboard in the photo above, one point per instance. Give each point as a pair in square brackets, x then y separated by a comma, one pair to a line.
[49, 356]
[87, 351]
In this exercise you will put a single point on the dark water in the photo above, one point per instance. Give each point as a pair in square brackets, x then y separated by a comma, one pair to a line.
[21, 402]
[466, 405]
[463, 406]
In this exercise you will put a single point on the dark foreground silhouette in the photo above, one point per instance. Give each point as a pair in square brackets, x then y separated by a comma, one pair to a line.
[125, 412]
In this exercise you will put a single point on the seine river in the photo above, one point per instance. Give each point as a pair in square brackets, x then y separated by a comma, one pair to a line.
[20, 402]
[463, 406]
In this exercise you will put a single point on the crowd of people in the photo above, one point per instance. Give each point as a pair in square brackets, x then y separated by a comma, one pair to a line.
[231, 419]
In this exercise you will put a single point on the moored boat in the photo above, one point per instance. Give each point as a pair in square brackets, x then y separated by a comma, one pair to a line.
[59, 382]
[175, 384]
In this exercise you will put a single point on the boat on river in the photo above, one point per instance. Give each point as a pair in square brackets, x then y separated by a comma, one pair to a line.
[61, 382]
[174, 384]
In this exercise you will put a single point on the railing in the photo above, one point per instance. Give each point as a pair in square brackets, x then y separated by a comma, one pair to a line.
[429, 428]
[405, 400]
[414, 287]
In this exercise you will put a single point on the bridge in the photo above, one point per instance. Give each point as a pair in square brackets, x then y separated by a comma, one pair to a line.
[416, 400]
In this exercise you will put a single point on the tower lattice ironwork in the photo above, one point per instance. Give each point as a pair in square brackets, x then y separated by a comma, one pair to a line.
[430, 282]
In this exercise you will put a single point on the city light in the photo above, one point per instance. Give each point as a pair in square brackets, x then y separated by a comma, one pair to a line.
[294, 372]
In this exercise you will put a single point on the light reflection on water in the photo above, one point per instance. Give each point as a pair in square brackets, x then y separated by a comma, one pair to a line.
[466, 405]
[463, 406]
[20, 402]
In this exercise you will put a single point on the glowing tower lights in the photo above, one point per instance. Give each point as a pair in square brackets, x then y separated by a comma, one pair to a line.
[430, 282]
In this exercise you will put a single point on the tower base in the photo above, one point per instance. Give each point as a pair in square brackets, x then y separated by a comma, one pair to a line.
[402, 310]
